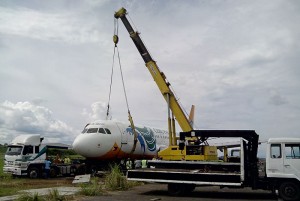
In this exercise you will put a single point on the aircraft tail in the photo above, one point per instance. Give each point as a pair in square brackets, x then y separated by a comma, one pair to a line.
[191, 116]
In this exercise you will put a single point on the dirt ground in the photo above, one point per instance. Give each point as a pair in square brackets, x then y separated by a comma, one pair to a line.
[155, 192]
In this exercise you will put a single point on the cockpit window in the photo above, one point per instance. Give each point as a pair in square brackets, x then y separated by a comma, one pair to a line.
[107, 131]
[101, 130]
[92, 130]
[84, 130]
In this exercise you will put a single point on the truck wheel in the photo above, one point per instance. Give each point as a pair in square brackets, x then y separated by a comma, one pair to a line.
[33, 173]
[73, 170]
[53, 173]
[189, 188]
[289, 191]
[176, 189]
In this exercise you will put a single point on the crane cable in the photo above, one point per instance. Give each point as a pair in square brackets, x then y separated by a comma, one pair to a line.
[116, 40]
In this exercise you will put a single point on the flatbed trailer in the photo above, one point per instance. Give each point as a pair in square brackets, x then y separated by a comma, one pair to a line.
[189, 172]
[183, 176]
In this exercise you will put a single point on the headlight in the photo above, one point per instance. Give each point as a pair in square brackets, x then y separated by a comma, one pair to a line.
[24, 165]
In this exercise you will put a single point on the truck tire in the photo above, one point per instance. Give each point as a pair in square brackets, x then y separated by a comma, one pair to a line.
[53, 173]
[289, 191]
[189, 188]
[176, 189]
[33, 173]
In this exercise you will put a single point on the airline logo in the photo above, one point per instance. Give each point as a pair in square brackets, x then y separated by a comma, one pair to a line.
[145, 137]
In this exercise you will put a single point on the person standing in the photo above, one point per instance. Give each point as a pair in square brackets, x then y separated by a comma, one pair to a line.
[128, 164]
[137, 164]
[144, 163]
[47, 167]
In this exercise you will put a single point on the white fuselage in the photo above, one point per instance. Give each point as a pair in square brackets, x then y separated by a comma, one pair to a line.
[110, 140]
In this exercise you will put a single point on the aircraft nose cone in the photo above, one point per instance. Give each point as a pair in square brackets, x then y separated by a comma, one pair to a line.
[87, 146]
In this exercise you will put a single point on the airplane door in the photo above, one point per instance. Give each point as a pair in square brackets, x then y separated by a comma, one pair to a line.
[291, 162]
[124, 135]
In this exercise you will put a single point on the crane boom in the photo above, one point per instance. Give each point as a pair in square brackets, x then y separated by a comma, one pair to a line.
[158, 76]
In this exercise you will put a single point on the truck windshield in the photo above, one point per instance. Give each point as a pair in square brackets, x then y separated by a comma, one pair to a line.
[14, 150]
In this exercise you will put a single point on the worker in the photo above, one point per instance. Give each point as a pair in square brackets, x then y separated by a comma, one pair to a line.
[137, 164]
[47, 167]
[57, 159]
[128, 164]
[67, 160]
[144, 163]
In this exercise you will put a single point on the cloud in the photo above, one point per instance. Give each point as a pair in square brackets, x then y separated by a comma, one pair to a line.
[66, 26]
[27, 118]
[98, 111]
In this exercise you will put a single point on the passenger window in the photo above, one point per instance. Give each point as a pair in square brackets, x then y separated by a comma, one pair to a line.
[101, 130]
[92, 130]
[275, 151]
[107, 131]
[292, 151]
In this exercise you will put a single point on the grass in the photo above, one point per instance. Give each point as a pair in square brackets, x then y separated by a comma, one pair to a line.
[114, 180]
[53, 195]
[2, 152]
[29, 197]
[94, 188]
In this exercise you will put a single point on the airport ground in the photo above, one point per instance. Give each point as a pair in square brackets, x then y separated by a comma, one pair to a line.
[153, 192]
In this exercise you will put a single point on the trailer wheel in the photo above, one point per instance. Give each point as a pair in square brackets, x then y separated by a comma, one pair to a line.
[289, 191]
[176, 189]
[33, 173]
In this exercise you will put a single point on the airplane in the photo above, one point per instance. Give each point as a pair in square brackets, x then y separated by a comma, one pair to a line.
[111, 140]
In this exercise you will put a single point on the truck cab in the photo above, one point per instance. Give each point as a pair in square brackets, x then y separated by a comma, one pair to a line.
[283, 158]
[22, 148]
[283, 166]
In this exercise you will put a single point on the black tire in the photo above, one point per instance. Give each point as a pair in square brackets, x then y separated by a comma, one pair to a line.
[189, 188]
[53, 172]
[33, 173]
[176, 189]
[73, 170]
[289, 191]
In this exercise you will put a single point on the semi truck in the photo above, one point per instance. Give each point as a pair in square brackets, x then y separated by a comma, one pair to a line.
[26, 154]
[193, 162]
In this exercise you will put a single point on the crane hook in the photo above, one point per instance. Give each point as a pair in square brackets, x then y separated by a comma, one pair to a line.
[115, 39]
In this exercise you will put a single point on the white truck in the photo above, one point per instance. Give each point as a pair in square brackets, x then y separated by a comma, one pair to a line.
[26, 155]
[281, 174]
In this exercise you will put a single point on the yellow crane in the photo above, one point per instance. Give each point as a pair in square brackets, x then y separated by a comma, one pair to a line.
[197, 152]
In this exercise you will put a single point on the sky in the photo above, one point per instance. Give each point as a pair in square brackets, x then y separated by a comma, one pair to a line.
[236, 61]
